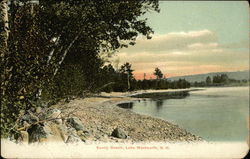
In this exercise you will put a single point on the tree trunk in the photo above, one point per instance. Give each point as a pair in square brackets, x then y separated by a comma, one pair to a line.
[4, 23]
[128, 82]
[65, 53]
[39, 93]
[53, 50]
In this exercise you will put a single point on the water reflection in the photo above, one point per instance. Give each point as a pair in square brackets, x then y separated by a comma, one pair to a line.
[159, 103]
[126, 105]
[217, 114]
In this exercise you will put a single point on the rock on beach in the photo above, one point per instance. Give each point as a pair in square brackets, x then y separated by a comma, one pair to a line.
[108, 122]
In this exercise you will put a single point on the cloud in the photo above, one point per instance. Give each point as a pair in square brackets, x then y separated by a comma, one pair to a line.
[172, 41]
[179, 53]
[218, 57]
[202, 45]
[199, 33]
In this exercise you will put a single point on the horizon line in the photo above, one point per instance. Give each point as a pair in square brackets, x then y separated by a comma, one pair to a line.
[151, 76]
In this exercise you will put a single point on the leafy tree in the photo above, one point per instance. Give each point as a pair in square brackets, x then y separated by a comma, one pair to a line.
[216, 79]
[104, 31]
[220, 79]
[158, 73]
[4, 25]
[208, 80]
[43, 37]
[224, 78]
[126, 70]
[109, 78]
[24, 66]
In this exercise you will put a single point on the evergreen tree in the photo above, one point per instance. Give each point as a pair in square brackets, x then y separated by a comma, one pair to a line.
[208, 80]
[127, 71]
[158, 73]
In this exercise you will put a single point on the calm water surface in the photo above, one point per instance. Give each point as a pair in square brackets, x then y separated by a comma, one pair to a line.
[216, 114]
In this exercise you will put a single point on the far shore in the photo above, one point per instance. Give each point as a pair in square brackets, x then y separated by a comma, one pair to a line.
[101, 115]
[139, 92]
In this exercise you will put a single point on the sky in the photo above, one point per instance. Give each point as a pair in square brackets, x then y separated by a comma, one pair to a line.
[192, 37]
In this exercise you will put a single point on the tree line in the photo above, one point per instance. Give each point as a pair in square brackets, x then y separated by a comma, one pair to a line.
[218, 80]
[123, 80]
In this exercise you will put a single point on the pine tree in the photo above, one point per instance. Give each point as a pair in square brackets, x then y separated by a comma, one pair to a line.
[158, 73]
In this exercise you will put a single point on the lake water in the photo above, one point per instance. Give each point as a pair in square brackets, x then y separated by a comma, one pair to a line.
[215, 114]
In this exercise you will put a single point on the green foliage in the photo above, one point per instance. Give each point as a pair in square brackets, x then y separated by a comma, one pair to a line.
[120, 79]
[104, 26]
[223, 78]
[126, 69]
[54, 46]
[208, 80]
[23, 66]
[126, 74]
[220, 80]
[162, 84]
[158, 73]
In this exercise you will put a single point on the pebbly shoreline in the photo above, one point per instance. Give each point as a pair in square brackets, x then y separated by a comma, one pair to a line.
[101, 115]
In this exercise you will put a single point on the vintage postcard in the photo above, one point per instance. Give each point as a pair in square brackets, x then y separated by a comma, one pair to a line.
[124, 79]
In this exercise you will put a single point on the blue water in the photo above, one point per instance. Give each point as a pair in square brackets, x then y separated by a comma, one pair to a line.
[215, 114]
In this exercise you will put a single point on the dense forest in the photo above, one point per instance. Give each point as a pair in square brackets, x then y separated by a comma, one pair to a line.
[123, 80]
[51, 48]
[219, 80]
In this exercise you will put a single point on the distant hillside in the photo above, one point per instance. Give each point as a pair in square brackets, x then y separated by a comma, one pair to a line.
[239, 75]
